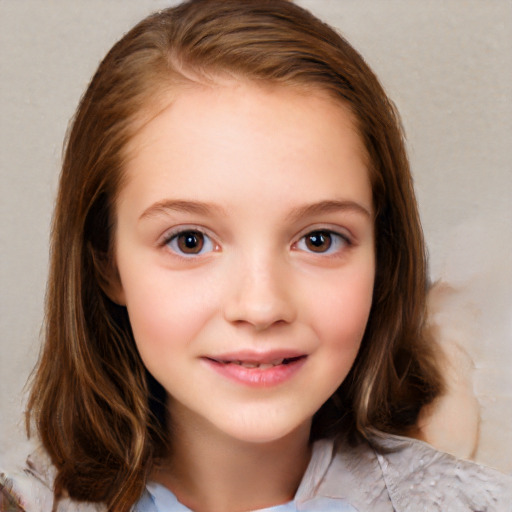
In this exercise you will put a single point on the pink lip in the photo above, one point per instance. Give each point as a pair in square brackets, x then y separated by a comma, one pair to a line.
[257, 377]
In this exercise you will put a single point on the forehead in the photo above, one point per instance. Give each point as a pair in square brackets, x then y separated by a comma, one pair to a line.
[220, 94]
[248, 134]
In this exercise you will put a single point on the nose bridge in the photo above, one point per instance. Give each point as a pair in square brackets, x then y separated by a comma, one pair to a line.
[259, 293]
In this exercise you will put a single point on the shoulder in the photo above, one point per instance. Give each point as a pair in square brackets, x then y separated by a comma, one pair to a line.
[29, 488]
[8, 501]
[397, 474]
[417, 475]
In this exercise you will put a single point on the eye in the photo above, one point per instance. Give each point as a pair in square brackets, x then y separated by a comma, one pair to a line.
[322, 242]
[190, 243]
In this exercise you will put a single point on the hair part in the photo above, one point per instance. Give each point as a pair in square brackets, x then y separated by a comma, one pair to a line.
[98, 413]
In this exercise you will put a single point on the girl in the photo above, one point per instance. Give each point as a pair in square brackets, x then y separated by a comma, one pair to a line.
[236, 301]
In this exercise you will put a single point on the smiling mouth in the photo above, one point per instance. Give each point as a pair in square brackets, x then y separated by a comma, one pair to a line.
[257, 370]
[257, 364]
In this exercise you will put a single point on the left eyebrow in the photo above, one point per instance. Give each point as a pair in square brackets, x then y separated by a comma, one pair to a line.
[330, 206]
[178, 205]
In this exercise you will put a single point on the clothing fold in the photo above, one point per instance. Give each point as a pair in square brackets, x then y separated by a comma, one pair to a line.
[385, 473]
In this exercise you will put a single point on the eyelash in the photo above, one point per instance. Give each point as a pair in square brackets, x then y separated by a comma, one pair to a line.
[335, 241]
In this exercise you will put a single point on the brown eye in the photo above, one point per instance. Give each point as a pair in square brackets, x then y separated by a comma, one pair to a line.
[318, 241]
[190, 242]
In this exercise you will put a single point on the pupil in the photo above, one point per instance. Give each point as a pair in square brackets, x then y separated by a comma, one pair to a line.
[191, 242]
[319, 241]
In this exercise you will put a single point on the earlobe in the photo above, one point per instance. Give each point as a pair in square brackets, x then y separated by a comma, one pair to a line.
[113, 289]
[107, 276]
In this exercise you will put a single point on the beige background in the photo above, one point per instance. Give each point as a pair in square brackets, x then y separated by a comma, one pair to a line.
[447, 65]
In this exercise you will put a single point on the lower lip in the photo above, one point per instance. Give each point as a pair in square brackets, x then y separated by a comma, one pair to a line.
[256, 377]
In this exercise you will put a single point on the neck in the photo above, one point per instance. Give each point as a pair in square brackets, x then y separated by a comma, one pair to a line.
[210, 471]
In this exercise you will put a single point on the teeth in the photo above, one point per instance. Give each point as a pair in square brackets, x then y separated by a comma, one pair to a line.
[249, 365]
[255, 364]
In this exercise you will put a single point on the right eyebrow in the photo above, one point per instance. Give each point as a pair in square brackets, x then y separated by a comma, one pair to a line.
[180, 205]
[330, 206]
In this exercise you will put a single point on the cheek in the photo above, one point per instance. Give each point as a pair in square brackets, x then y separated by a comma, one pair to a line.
[340, 309]
[340, 317]
[165, 311]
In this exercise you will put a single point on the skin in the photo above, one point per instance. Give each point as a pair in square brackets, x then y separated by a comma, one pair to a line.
[254, 170]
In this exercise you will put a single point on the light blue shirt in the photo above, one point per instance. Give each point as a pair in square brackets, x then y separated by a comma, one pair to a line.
[158, 498]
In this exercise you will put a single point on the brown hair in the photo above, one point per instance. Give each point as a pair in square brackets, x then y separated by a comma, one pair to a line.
[97, 411]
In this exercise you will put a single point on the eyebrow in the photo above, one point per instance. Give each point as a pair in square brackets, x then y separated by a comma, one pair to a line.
[201, 208]
[179, 205]
[330, 206]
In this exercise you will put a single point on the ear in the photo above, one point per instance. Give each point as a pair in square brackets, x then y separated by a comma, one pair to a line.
[107, 276]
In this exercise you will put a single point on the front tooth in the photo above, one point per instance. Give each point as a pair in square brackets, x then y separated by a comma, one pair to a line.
[277, 362]
[266, 366]
[249, 365]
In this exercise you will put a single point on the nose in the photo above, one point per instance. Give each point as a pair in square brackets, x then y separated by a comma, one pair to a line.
[260, 296]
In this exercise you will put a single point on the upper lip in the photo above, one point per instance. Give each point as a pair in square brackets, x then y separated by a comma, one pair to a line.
[252, 356]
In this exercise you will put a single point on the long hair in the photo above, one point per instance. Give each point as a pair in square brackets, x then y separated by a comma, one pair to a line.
[97, 411]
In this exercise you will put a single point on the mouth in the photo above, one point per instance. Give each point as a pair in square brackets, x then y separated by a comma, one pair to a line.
[257, 370]
[255, 364]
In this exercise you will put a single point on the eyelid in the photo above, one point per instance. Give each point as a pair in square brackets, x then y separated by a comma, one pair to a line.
[330, 228]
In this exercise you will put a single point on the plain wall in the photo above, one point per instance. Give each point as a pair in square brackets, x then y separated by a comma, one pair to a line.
[447, 65]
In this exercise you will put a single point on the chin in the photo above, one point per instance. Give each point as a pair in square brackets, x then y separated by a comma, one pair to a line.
[265, 430]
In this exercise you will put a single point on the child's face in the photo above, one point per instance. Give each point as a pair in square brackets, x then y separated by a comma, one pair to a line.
[245, 235]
